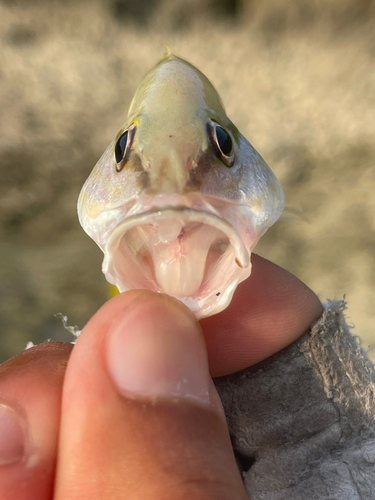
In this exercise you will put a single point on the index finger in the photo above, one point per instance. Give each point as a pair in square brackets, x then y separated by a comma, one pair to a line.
[269, 311]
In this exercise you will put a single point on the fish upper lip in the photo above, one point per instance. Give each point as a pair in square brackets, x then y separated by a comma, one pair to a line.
[190, 214]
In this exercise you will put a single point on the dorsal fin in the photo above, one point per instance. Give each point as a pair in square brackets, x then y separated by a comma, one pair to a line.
[167, 52]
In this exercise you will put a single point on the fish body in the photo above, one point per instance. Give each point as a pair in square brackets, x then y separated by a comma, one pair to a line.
[180, 198]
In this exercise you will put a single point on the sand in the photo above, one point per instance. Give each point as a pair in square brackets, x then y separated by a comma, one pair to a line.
[296, 77]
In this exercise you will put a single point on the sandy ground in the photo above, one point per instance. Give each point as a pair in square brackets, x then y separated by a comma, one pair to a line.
[297, 78]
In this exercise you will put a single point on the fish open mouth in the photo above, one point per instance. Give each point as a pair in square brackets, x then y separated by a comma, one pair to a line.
[193, 255]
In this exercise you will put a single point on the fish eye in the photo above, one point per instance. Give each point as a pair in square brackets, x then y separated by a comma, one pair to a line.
[123, 147]
[222, 143]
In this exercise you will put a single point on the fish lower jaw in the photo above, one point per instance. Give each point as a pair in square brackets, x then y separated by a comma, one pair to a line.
[192, 255]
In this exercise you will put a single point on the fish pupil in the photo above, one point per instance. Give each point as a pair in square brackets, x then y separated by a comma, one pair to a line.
[121, 147]
[223, 140]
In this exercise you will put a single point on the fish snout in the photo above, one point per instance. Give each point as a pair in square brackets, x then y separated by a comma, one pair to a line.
[169, 175]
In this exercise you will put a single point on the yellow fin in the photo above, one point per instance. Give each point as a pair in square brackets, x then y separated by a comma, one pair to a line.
[167, 52]
[112, 290]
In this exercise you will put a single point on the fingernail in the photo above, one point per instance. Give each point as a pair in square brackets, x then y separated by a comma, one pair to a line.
[12, 437]
[156, 348]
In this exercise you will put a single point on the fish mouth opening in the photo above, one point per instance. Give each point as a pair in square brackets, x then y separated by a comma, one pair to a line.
[193, 255]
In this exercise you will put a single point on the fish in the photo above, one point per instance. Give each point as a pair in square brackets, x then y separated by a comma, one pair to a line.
[180, 197]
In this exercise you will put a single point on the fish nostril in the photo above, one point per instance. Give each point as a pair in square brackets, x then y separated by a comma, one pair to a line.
[192, 165]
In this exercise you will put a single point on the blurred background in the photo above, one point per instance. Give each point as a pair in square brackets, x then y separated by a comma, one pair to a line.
[297, 78]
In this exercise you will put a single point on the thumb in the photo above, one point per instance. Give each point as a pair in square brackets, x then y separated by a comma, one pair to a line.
[140, 414]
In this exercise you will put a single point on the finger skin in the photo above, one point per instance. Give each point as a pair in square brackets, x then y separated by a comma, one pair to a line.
[31, 383]
[113, 446]
[269, 311]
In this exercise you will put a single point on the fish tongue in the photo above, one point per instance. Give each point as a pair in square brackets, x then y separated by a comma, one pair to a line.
[180, 264]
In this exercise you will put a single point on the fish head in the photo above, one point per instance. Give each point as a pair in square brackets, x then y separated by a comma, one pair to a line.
[180, 198]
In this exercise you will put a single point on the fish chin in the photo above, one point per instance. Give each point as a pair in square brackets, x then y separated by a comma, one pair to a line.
[192, 254]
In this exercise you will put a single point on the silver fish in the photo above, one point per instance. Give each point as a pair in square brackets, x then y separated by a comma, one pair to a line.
[180, 198]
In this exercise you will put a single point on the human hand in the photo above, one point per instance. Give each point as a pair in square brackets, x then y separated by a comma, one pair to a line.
[137, 415]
